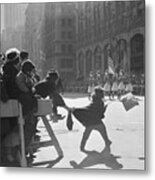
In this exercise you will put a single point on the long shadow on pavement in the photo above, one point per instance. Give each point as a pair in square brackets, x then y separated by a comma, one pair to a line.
[94, 158]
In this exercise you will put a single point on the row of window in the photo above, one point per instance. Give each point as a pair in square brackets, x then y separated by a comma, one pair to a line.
[67, 35]
[67, 48]
[66, 22]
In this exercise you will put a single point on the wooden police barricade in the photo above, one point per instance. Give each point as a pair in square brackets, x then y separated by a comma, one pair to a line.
[14, 109]
[44, 109]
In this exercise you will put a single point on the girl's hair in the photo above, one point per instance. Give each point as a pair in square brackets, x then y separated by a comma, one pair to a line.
[52, 75]
[98, 93]
[27, 66]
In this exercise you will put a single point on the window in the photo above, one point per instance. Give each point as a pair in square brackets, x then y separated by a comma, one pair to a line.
[63, 35]
[70, 48]
[70, 35]
[63, 22]
[63, 48]
[70, 22]
[66, 63]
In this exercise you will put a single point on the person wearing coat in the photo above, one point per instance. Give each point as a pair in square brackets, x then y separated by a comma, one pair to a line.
[9, 126]
[91, 118]
[10, 70]
[27, 99]
[48, 87]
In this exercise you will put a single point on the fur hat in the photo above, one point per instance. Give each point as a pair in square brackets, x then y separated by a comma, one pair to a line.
[27, 66]
[12, 55]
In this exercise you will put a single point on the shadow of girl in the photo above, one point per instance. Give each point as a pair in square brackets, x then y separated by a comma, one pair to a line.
[94, 158]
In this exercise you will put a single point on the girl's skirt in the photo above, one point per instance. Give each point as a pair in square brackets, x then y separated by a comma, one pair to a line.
[106, 87]
[114, 87]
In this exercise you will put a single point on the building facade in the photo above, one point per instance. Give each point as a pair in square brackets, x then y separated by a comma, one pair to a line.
[13, 25]
[76, 37]
[59, 38]
[117, 26]
[33, 34]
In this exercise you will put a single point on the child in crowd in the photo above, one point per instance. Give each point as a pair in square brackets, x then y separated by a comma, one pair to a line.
[24, 55]
[25, 84]
[48, 87]
[91, 117]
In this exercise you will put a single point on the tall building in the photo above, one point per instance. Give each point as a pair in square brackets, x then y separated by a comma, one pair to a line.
[33, 33]
[79, 37]
[13, 25]
[14, 14]
[59, 38]
[110, 26]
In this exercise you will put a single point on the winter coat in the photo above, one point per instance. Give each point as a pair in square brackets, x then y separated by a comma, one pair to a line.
[44, 89]
[91, 114]
[26, 97]
[9, 79]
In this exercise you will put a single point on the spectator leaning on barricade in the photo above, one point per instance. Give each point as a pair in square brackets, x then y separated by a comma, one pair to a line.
[10, 70]
[24, 55]
[58, 89]
[47, 87]
[9, 128]
[25, 84]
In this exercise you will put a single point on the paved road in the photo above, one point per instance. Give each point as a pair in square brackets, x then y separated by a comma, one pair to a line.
[125, 129]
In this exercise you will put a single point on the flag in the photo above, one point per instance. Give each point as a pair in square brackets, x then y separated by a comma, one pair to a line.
[111, 68]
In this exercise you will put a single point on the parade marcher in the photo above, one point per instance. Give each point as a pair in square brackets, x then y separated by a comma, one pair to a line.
[107, 88]
[91, 117]
[121, 87]
[128, 86]
[114, 88]
[91, 87]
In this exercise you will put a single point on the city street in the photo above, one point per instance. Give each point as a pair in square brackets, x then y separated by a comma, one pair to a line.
[126, 129]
